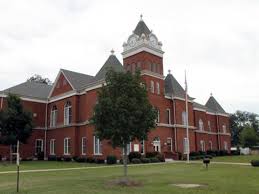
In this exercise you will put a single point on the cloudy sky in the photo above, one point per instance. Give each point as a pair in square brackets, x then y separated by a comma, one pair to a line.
[217, 41]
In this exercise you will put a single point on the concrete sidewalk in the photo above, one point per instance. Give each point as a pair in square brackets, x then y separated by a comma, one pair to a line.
[116, 166]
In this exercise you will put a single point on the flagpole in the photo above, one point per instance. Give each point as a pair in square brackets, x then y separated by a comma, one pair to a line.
[187, 119]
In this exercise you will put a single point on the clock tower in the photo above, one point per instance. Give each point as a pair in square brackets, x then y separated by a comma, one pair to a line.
[143, 51]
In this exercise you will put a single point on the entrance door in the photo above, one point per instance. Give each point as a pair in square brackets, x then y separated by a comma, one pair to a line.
[156, 144]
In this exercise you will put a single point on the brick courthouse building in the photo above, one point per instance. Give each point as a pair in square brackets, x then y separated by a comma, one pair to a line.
[61, 112]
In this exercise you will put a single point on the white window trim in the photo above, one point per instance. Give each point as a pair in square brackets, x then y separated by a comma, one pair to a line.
[185, 145]
[209, 126]
[66, 113]
[158, 88]
[66, 152]
[224, 129]
[211, 145]
[52, 142]
[152, 87]
[41, 144]
[99, 153]
[158, 115]
[171, 142]
[82, 146]
[53, 117]
[203, 146]
[225, 145]
[201, 125]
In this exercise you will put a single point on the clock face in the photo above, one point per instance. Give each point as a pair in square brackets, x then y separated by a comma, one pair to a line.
[153, 40]
[132, 41]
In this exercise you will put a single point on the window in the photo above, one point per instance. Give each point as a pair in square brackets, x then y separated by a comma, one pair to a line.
[152, 87]
[201, 127]
[169, 143]
[202, 145]
[68, 113]
[53, 116]
[38, 146]
[52, 147]
[133, 68]
[184, 118]
[185, 146]
[168, 116]
[224, 129]
[210, 145]
[225, 145]
[83, 147]
[138, 66]
[156, 144]
[97, 146]
[153, 67]
[142, 147]
[158, 115]
[209, 127]
[67, 146]
[157, 88]
[14, 148]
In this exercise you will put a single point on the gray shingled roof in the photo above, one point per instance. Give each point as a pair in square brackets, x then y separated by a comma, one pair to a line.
[30, 89]
[214, 105]
[141, 28]
[198, 105]
[111, 62]
[172, 87]
[77, 79]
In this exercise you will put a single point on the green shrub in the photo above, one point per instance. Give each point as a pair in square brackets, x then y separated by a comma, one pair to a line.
[121, 161]
[194, 153]
[111, 159]
[134, 155]
[255, 163]
[154, 160]
[67, 159]
[52, 158]
[80, 159]
[145, 160]
[99, 161]
[136, 161]
[90, 160]
[151, 154]
[202, 153]
[160, 157]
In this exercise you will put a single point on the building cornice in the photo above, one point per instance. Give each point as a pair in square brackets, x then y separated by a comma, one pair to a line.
[152, 74]
[140, 48]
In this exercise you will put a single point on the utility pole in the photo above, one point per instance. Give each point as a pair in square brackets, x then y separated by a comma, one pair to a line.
[18, 167]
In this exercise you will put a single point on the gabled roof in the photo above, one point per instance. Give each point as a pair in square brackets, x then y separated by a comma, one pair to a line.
[30, 89]
[141, 28]
[214, 105]
[111, 62]
[173, 88]
[77, 80]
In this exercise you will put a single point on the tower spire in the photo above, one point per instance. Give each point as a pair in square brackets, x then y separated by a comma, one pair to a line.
[141, 17]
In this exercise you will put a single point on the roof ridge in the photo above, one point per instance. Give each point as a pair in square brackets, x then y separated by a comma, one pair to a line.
[76, 72]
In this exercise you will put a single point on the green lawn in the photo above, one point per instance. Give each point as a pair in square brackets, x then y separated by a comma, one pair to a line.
[239, 159]
[155, 179]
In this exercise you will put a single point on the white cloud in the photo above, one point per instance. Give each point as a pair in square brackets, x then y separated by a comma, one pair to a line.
[217, 39]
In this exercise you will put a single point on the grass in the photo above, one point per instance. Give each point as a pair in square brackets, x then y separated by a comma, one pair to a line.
[155, 179]
[239, 159]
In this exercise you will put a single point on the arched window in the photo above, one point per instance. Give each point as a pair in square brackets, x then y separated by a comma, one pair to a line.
[184, 118]
[224, 128]
[67, 113]
[201, 127]
[158, 88]
[158, 115]
[152, 86]
[168, 116]
[53, 116]
[209, 126]
[202, 145]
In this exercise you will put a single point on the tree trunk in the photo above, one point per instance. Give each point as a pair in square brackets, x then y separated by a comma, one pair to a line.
[125, 161]
[11, 154]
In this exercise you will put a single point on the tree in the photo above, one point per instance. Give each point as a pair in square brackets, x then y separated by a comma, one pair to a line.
[248, 137]
[123, 112]
[39, 79]
[15, 123]
[238, 121]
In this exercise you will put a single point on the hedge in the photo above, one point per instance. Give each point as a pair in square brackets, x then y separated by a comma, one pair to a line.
[255, 163]
[136, 161]
[111, 159]
[134, 155]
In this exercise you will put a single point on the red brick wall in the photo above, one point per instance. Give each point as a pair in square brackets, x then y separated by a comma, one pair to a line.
[62, 86]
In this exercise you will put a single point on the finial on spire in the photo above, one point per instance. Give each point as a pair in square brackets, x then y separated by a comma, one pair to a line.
[141, 17]
[112, 52]
[169, 71]
[211, 94]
